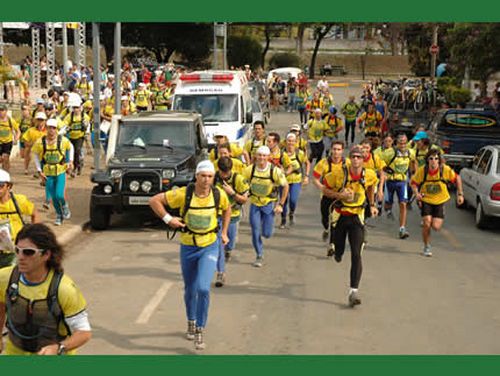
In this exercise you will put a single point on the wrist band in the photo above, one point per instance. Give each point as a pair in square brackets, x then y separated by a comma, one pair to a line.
[167, 218]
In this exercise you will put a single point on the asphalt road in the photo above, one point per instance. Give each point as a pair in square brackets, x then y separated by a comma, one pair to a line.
[297, 303]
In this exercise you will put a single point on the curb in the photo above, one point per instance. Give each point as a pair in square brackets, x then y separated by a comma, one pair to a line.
[71, 233]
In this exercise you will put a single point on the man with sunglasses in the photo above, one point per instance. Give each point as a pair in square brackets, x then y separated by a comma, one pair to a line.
[78, 125]
[12, 209]
[44, 310]
[429, 186]
[351, 187]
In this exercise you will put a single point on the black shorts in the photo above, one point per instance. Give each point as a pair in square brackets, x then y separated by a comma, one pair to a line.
[5, 148]
[435, 211]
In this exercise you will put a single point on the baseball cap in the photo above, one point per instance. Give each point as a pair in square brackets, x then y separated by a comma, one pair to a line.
[52, 123]
[4, 176]
[421, 135]
[264, 150]
[205, 166]
[40, 101]
[295, 127]
[356, 150]
[40, 116]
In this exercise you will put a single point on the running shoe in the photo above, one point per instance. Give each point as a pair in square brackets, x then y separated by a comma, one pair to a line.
[330, 250]
[191, 330]
[337, 256]
[66, 212]
[325, 235]
[258, 262]
[403, 233]
[58, 221]
[427, 250]
[199, 344]
[354, 299]
[221, 280]
[227, 255]
[291, 217]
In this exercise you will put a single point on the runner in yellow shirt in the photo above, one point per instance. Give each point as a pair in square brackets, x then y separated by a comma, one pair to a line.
[258, 139]
[142, 98]
[32, 135]
[9, 134]
[429, 186]
[224, 150]
[316, 129]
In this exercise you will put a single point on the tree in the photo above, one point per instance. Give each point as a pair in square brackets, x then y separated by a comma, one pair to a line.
[300, 38]
[477, 47]
[243, 50]
[320, 30]
[270, 30]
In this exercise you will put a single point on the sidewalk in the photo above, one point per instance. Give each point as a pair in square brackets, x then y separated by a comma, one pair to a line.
[78, 194]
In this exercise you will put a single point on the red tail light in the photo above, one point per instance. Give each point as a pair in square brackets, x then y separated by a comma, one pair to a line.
[495, 192]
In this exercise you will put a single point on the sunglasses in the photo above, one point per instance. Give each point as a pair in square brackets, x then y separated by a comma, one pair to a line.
[356, 156]
[3, 184]
[433, 158]
[29, 251]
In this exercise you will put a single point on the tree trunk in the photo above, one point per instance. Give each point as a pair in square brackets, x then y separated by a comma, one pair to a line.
[158, 54]
[321, 35]
[300, 39]
[266, 48]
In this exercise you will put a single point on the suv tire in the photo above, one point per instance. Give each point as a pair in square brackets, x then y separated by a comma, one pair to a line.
[100, 216]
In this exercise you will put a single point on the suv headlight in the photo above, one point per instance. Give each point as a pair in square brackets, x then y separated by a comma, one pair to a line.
[116, 173]
[134, 186]
[168, 174]
[146, 186]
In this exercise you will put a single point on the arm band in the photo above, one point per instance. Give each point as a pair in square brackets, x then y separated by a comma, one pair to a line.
[167, 218]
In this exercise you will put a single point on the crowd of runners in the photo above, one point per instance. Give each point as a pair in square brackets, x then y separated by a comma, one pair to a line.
[356, 182]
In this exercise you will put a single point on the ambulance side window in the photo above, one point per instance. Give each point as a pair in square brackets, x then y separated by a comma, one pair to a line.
[242, 111]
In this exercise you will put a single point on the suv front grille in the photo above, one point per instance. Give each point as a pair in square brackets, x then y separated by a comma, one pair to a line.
[141, 176]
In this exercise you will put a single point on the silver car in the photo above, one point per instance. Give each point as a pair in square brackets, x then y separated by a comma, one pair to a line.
[481, 184]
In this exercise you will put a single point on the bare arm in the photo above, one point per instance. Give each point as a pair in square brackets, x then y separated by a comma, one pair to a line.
[157, 204]
[74, 341]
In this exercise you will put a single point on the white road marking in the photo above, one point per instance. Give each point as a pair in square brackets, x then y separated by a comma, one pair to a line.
[155, 301]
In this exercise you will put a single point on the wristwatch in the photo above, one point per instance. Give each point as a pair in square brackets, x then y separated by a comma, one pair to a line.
[61, 349]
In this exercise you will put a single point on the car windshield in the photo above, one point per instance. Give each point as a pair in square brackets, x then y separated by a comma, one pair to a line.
[218, 107]
[142, 135]
[468, 121]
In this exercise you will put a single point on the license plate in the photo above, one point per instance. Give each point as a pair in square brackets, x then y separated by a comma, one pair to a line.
[138, 200]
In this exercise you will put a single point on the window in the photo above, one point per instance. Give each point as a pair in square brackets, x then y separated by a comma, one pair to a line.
[484, 163]
[213, 107]
[137, 134]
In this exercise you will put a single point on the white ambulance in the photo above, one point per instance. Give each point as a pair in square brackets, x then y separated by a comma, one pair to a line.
[222, 98]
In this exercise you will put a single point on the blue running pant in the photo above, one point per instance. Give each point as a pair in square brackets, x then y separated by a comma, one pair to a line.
[54, 189]
[262, 224]
[198, 266]
[292, 199]
[232, 231]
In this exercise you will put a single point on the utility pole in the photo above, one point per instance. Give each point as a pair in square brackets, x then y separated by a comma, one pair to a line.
[215, 46]
[35, 55]
[97, 91]
[225, 45]
[434, 53]
[65, 53]
[118, 59]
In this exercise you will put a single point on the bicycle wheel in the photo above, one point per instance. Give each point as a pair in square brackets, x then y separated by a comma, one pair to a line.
[394, 101]
[420, 102]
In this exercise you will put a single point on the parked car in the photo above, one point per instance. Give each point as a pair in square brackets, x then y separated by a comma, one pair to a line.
[481, 184]
[284, 73]
[148, 153]
[462, 132]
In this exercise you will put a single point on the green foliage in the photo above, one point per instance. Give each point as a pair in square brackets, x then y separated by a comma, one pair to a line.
[243, 50]
[454, 94]
[286, 59]
[444, 82]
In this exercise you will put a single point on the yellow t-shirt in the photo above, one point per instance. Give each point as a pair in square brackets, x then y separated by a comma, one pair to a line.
[333, 123]
[240, 185]
[434, 189]
[76, 125]
[6, 127]
[400, 165]
[198, 220]
[372, 121]
[374, 163]
[317, 129]
[335, 181]
[322, 168]
[54, 162]
[262, 186]
[421, 153]
[301, 144]
[279, 158]
[296, 160]
[33, 134]
[253, 144]
[382, 153]
[142, 98]
[69, 297]
[24, 124]
[236, 152]
[8, 212]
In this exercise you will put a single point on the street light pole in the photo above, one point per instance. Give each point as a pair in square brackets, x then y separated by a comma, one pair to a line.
[65, 53]
[215, 46]
[118, 44]
[434, 55]
[97, 92]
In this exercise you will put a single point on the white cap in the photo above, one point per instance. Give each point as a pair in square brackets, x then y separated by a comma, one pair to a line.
[74, 100]
[40, 101]
[4, 176]
[295, 127]
[219, 134]
[291, 135]
[52, 123]
[318, 110]
[102, 97]
[124, 98]
[205, 166]
[41, 116]
[142, 84]
[264, 150]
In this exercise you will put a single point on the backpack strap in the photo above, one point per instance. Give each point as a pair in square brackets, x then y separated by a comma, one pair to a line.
[18, 211]
[188, 198]
[13, 286]
[53, 300]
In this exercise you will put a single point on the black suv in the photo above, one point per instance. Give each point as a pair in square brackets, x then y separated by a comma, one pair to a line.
[148, 153]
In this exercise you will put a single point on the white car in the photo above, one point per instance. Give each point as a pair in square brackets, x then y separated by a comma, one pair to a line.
[481, 183]
[284, 73]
